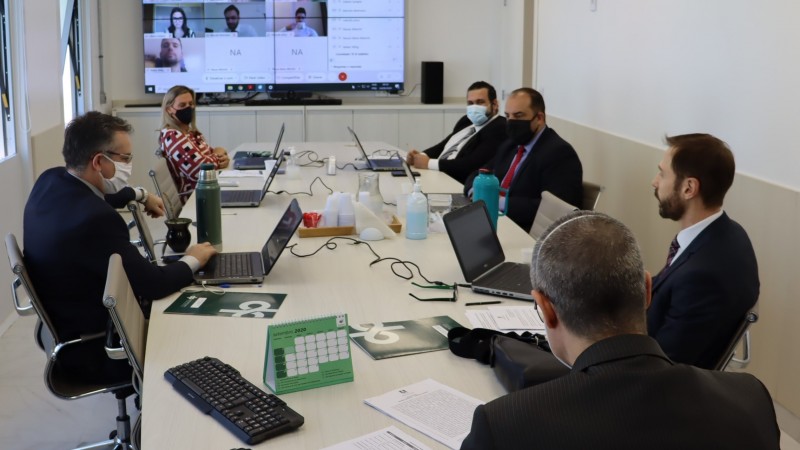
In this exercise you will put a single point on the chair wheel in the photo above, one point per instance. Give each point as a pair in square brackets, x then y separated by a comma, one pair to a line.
[112, 435]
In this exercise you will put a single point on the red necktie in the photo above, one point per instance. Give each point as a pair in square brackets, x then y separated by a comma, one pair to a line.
[510, 174]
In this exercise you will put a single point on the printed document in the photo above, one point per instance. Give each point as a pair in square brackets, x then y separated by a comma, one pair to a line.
[431, 408]
[390, 438]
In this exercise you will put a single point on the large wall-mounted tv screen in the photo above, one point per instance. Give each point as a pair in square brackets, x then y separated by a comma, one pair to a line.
[265, 46]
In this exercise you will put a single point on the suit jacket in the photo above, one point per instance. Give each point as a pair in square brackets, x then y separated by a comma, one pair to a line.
[477, 152]
[701, 299]
[624, 393]
[552, 165]
[69, 235]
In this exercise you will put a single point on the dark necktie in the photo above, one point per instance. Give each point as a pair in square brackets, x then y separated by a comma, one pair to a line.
[454, 148]
[673, 250]
[510, 174]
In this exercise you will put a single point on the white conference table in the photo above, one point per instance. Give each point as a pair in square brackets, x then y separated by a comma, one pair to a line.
[330, 281]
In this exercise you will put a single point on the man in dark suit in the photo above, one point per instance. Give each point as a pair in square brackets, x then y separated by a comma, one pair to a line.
[710, 281]
[534, 159]
[70, 231]
[474, 140]
[622, 392]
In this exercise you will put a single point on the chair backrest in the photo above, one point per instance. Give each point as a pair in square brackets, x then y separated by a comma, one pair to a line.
[126, 313]
[550, 209]
[61, 383]
[145, 238]
[742, 335]
[45, 333]
[591, 193]
[165, 187]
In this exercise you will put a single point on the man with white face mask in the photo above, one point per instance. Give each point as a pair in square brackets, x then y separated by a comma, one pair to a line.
[117, 190]
[622, 392]
[70, 230]
[474, 140]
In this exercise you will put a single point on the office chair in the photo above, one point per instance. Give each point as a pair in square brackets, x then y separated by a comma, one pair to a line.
[591, 193]
[145, 238]
[742, 335]
[165, 186]
[129, 322]
[63, 383]
[551, 208]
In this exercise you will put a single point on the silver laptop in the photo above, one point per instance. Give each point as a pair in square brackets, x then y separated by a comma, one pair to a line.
[252, 267]
[457, 200]
[255, 160]
[481, 257]
[395, 162]
[243, 198]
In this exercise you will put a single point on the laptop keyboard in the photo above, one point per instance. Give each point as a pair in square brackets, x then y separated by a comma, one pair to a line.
[226, 265]
[515, 278]
[237, 196]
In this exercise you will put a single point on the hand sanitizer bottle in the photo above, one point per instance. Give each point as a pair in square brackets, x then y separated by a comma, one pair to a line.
[417, 214]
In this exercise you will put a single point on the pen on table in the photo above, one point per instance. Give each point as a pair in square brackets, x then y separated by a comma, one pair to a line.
[228, 214]
[481, 303]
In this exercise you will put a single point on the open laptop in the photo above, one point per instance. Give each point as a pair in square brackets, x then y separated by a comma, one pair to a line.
[244, 198]
[395, 162]
[252, 267]
[255, 160]
[457, 200]
[481, 257]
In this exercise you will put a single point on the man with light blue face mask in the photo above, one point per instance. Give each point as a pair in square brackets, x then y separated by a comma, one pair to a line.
[474, 140]
[622, 391]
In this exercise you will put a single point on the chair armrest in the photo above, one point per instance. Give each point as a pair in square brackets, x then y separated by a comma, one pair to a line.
[22, 310]
[84, 338]
[113, 346]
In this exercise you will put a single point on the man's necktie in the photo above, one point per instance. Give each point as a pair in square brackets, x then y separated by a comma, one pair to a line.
[510, 174]
[673, 250]
[454, 148]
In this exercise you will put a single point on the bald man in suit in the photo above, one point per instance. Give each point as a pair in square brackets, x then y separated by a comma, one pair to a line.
[622, 392]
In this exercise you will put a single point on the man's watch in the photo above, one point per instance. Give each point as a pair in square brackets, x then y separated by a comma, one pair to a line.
[141, 196]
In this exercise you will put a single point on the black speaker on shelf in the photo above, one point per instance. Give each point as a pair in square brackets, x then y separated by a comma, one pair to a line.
[432, 82]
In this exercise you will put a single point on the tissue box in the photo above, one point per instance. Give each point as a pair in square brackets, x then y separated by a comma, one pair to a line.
[304, 232]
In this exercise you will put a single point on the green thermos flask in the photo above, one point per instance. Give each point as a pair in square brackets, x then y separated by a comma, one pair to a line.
[209, 215]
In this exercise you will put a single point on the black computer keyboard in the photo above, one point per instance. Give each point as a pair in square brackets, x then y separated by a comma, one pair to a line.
[219, 390]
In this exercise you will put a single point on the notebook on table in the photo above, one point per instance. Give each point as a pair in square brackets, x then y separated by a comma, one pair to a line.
[252, 267]
[242, 198]
[255, 160]
[395, 162]
[481, 257]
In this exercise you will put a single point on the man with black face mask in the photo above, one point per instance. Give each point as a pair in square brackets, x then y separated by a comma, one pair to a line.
[532, 160]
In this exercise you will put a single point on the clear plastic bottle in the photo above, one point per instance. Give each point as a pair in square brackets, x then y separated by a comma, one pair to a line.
[417, 214]
[292, 168]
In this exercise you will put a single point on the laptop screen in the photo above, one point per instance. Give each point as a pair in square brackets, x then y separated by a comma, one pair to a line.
[280, 137]
[273, 172]
[474, 240]
[281, 235]
[358, 144]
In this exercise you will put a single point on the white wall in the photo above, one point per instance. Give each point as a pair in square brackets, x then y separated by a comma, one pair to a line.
[643, 68]
[466, 34]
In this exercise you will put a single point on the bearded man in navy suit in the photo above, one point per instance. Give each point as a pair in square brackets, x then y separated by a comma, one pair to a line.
[710, 281]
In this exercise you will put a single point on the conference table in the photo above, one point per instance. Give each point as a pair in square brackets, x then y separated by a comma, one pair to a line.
[331, 281]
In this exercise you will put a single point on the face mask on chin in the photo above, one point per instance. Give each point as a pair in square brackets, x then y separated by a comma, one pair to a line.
[519, 130]
[185, 115]
[477, 114]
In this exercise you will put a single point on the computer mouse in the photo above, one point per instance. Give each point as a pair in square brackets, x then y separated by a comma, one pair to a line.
[371, 234]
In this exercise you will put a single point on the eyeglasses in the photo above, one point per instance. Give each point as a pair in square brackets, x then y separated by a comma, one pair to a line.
[538, 312]
[126, 157]
[452, 298]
